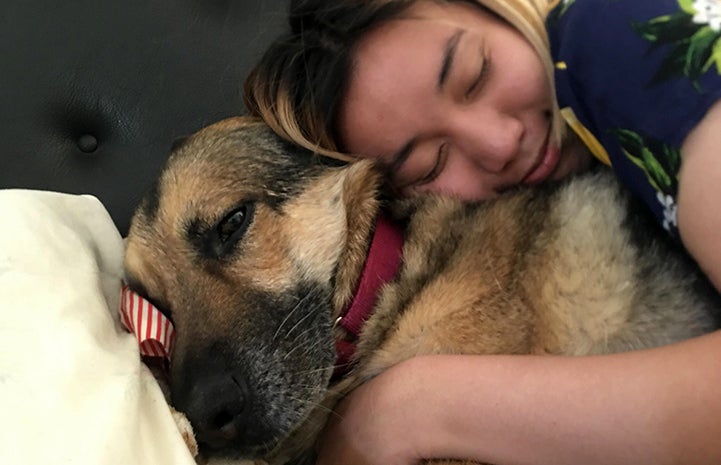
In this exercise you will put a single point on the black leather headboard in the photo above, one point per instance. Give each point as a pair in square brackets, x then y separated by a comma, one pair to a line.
[93, 92]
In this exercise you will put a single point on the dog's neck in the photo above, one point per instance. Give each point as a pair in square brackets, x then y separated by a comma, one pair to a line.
[381, 266]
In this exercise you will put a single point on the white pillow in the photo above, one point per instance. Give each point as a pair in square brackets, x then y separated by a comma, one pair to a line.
[72, 385]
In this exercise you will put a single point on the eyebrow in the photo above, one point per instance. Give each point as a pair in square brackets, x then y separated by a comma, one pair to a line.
[449, 53]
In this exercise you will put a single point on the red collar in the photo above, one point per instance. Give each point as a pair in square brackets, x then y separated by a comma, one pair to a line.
[382, 263]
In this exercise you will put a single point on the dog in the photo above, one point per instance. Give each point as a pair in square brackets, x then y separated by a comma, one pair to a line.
[255, 249]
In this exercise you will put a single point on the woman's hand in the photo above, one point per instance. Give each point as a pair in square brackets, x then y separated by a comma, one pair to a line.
[374, 425]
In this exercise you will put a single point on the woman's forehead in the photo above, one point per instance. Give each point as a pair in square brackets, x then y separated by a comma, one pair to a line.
[392, 87]
[393, 80]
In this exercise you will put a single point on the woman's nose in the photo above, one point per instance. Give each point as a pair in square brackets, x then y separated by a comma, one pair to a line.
[492, 143]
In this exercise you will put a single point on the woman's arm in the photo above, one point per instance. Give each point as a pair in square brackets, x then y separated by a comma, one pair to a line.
[659, 406]
[699, 197]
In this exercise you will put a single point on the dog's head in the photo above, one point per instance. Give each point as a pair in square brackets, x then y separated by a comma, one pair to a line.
[249, 244]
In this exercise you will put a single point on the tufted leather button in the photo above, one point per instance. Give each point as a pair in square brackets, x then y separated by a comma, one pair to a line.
[87, 143]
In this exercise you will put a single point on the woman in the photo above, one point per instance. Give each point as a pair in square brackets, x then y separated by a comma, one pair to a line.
[471, 99]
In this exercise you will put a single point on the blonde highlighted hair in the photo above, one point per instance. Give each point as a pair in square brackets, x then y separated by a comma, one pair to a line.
[297, 85]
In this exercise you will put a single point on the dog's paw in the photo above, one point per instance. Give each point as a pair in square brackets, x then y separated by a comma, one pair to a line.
[186, 430]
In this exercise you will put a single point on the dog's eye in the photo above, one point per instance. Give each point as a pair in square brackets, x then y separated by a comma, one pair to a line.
[217, 240]
[232, 227]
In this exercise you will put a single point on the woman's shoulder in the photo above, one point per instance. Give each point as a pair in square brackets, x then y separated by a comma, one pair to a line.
[680, 34]
[627, 61]
[618, 28]
[639, 75]
[605, 13]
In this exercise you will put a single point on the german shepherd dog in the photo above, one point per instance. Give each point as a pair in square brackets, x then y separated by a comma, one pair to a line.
[255, 249]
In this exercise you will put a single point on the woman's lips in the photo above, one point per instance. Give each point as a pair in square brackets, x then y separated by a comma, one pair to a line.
[547, 161]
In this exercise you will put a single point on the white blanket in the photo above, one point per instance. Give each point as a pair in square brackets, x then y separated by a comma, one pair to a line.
[72, 387]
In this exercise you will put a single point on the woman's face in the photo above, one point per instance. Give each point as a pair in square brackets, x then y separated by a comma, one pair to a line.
[451, 99]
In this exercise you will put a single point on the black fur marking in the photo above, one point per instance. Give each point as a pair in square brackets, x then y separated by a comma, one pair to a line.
[209, 240]
[179, 143]
[136, 286]
[151, 202]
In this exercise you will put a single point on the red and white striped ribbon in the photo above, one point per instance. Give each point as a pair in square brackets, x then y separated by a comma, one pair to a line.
[153, 330]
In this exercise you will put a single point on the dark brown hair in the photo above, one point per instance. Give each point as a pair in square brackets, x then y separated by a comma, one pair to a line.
[297, 85]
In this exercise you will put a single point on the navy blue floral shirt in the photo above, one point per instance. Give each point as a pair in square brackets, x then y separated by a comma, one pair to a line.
[633, 78]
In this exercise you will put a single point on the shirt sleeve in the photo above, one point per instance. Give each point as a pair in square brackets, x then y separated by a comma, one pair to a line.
[638, 76]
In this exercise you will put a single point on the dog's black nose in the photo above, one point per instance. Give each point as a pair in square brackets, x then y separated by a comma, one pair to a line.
[215, 405]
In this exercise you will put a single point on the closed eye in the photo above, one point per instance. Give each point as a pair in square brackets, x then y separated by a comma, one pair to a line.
[438, 166]
[480, 78]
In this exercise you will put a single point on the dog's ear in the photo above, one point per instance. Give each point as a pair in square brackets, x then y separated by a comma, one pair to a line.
[361, 193]
[178, 143]
[361, 199]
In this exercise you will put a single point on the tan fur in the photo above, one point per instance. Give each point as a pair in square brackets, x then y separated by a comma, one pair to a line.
[551, 270]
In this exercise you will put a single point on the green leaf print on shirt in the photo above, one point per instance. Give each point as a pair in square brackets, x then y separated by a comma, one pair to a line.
[659, 161]
[694, 35]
